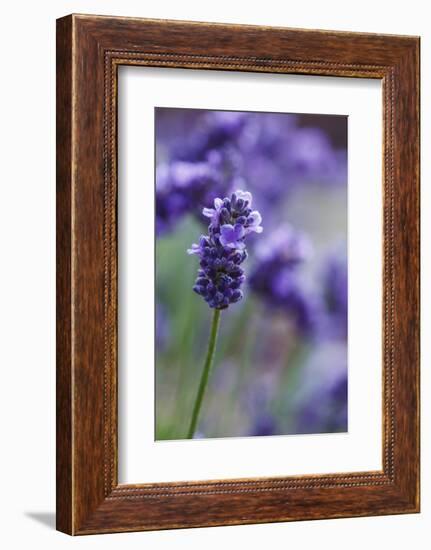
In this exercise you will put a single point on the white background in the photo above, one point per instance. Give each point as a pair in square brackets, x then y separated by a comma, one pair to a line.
[27, 125]
[141, 458]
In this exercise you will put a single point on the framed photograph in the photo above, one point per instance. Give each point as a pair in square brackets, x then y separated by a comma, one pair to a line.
[237, 274]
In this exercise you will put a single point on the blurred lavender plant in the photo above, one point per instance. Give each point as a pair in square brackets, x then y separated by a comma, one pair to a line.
[311, 157]
[274, 276]
[335, 295]
[264, 424]
[216, 131]
[162, 326]
[326, 408]
[200, 153]
[223, 250]
[200, 166]
[279, 155]
[263, 145]
[180, 187]
[257, 401]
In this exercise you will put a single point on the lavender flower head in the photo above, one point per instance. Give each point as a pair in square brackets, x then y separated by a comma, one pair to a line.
[223, 250]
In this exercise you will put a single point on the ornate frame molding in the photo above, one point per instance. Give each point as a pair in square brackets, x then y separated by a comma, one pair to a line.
[90, 500]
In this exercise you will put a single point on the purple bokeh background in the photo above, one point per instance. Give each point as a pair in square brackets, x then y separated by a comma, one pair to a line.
[281, 365]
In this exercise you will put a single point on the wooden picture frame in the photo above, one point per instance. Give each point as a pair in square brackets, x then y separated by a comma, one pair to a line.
[89, 51]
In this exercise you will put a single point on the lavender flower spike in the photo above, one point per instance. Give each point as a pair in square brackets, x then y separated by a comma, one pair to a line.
[223, 250]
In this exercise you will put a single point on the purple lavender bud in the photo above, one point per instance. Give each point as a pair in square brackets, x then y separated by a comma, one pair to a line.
[237, 257]
[227, 204]
[237, 295]
[224, 215]
[239, 205]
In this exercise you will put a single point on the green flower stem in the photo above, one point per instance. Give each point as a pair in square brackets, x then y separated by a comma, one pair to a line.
[205, 373]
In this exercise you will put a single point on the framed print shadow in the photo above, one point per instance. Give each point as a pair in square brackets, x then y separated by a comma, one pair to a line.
[237, 274]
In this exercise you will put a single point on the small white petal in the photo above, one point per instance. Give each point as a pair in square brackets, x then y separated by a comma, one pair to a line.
[253, 229]
[257, 218]
[208, 212]
[218, 203]
[245, 195]
[195, 249]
